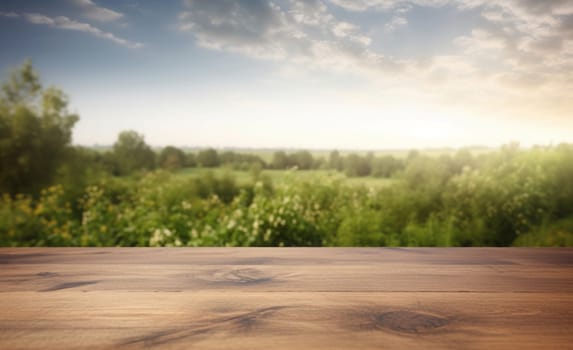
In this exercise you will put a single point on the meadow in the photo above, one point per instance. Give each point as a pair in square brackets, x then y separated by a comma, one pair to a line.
[244, 177]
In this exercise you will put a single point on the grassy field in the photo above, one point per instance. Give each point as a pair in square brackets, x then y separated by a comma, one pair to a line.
[278, 176]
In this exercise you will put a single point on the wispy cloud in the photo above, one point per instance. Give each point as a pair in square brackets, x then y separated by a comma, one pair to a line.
[95, 12]
[520, 54]
[9, 14]
[66, 23]
[395, 23]
[303, 32]
[386, 5]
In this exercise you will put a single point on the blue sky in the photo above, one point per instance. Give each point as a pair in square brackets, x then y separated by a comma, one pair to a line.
[347, 74]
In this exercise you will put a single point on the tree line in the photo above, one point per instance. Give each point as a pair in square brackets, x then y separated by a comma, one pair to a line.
[35, 149]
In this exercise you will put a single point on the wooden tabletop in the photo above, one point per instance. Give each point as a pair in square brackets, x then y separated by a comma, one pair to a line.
[286, 298]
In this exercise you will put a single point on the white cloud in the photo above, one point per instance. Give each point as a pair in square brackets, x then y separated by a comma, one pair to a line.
[518, 60]
[395, 23]
[387, 5]
[66, 23]
[36, 18]
[309, 12]
[302, 32]
[9, 14]
[98, 13]
[524, 36]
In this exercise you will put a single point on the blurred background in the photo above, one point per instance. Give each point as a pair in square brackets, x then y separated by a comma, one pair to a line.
[286, 123]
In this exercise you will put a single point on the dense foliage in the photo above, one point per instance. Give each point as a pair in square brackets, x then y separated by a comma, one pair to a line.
[35, 130]
[54, 194]
[509, 197]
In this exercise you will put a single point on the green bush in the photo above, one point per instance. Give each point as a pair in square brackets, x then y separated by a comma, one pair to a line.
[512, 197]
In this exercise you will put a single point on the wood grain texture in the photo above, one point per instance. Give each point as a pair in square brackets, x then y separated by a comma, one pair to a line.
[286, 298]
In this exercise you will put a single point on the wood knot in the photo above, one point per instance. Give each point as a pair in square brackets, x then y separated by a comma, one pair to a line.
[241, 276]
[46, 274]
[408, 321]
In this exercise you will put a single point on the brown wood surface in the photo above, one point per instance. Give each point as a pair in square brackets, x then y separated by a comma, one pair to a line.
[286, 298]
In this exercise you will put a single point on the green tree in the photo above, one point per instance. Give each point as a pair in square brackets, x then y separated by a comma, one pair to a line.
[35, 132]
[280, 160]
[303, 159]
[335, 161]
[229, 157]
[83, 166]
[131, 153]
[356, 165]
[171, 158]
[190, 160]
[208, 158]
[386, 166]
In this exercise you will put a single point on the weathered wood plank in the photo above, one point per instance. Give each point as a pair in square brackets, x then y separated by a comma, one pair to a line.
[380, 277]
[290, 256]
[286, 298]
[219, 320]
